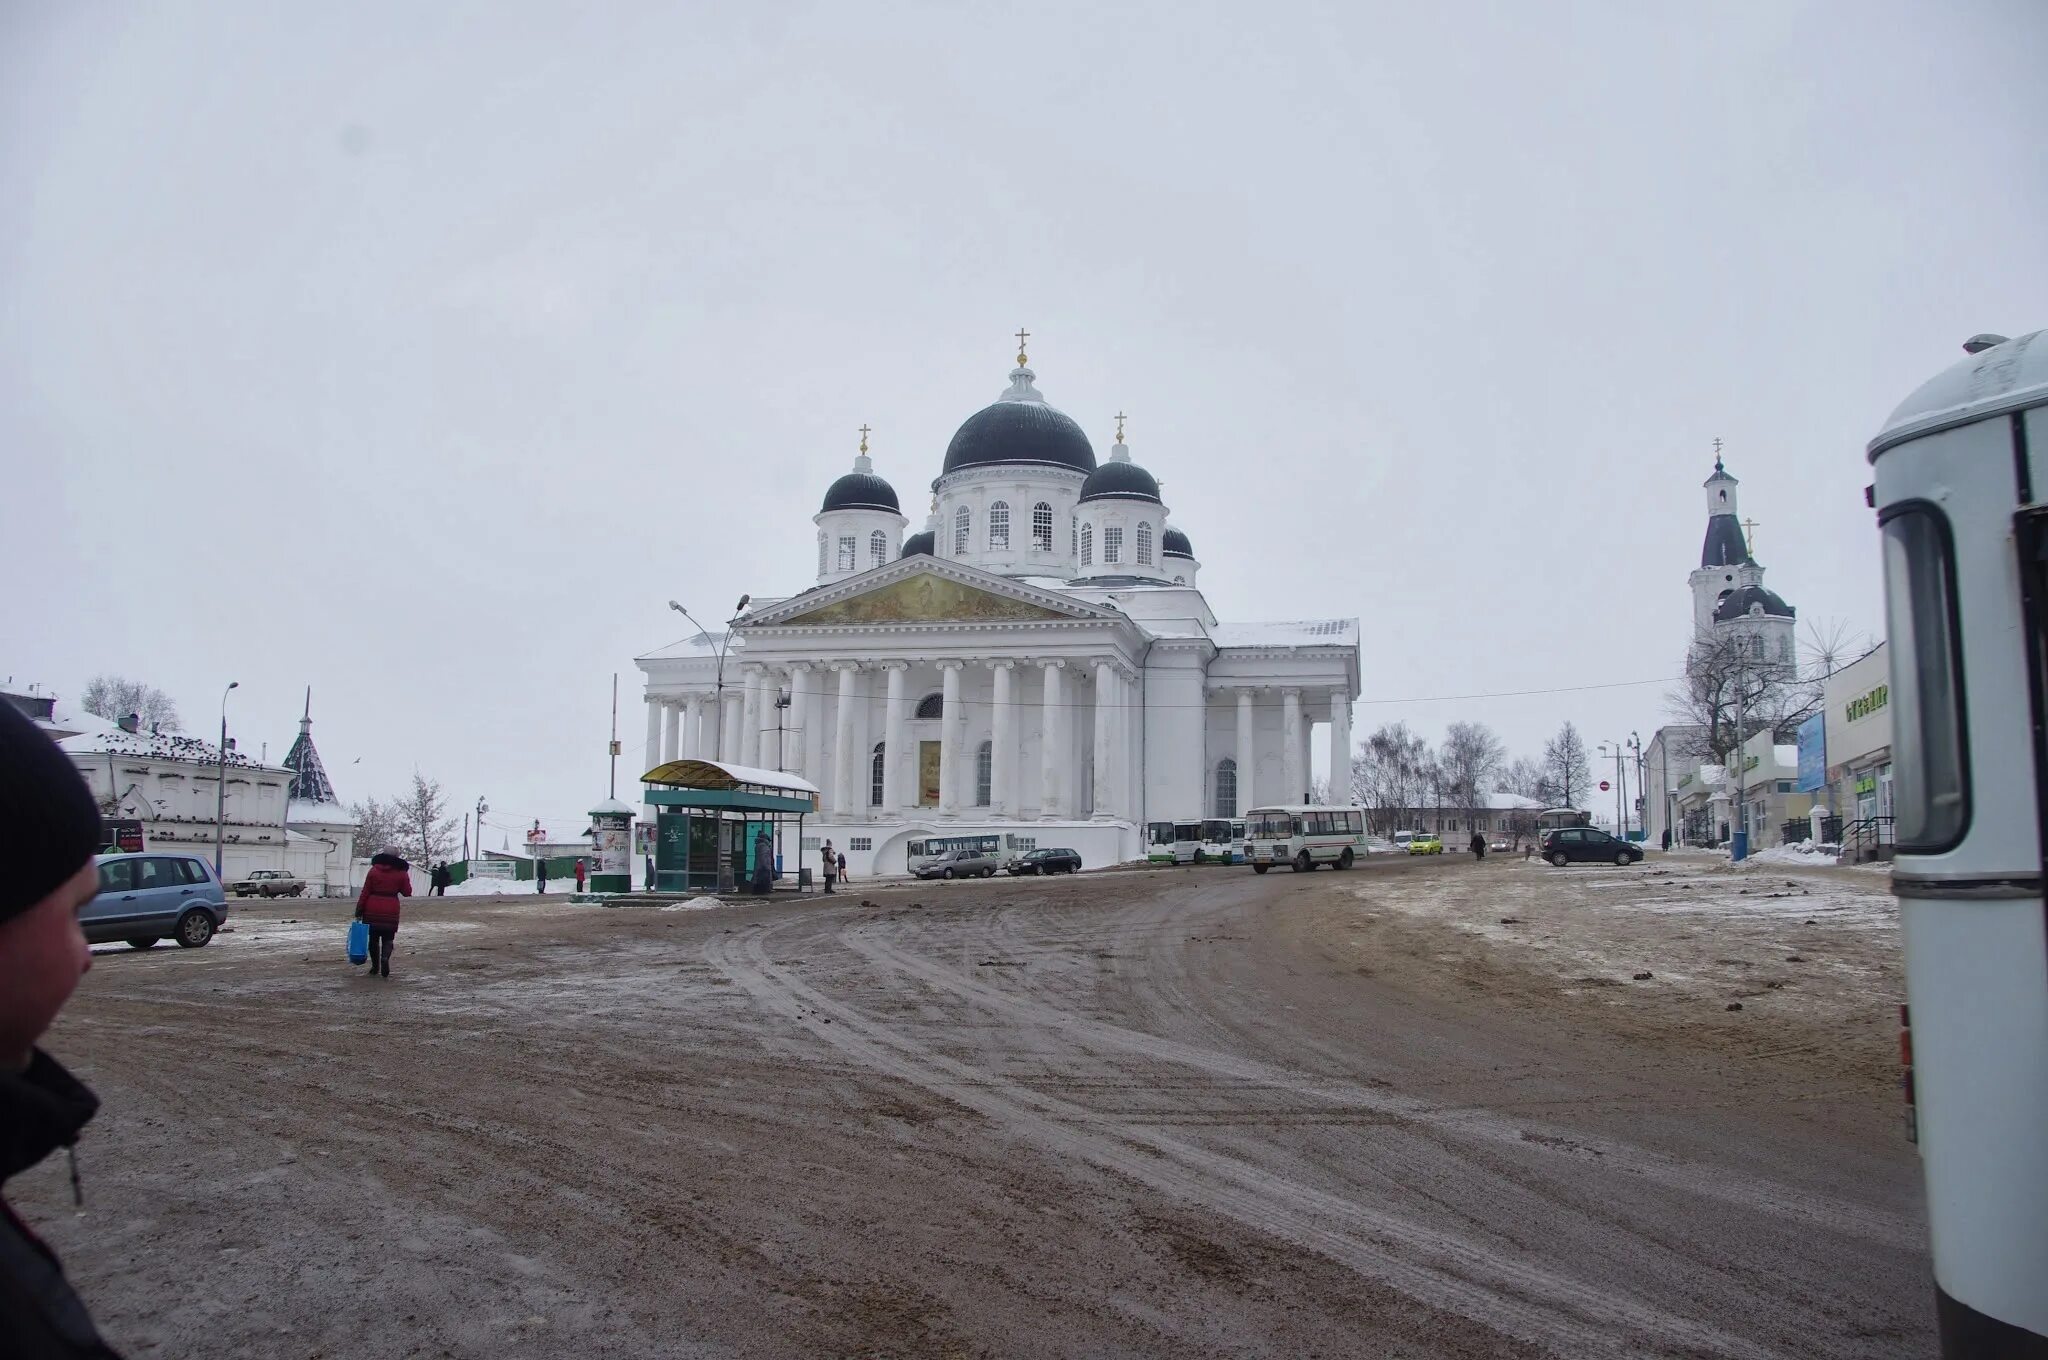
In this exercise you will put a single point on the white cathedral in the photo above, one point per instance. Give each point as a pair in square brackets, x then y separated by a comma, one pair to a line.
[1039, 660]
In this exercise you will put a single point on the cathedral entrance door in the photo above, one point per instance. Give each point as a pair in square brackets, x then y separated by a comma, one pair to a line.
[928, 774]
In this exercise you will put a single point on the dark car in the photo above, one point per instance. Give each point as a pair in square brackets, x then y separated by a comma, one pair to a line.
[1586, 845]
[1046, 862]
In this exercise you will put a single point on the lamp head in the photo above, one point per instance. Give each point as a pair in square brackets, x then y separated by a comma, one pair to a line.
[677, 607]
[742, 604]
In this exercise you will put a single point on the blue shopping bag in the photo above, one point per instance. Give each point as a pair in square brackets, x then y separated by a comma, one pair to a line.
[358, 942]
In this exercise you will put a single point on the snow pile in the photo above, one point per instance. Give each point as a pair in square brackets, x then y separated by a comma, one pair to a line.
[1805, 853]
[694, 904]
[497, 887]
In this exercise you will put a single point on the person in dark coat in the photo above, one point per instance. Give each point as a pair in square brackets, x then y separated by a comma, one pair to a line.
[540, 873]
[378, 906]
[1478, 845]
[438, 879]
[54, 829]
[764, 863]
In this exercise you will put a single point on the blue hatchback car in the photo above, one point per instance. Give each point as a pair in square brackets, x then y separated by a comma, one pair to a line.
[145, 897]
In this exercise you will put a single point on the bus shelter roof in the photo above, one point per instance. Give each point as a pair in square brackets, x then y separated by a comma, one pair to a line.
[700, 783]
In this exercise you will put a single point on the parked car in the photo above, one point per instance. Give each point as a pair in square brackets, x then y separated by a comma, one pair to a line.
[143, 898]
[1425, 843]
[961, 864]
[1588, 845]
[268, 883]
[1046, 862]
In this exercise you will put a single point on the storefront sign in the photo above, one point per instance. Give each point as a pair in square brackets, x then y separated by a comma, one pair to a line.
[1863, 705]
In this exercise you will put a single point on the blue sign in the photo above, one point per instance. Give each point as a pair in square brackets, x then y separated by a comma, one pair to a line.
[1813, 753]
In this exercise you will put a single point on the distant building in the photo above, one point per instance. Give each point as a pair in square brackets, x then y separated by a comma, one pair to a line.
[1857, 705]
[1505, 814]
[315, 813]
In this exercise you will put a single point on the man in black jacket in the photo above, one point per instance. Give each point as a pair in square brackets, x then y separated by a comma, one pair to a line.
[42, 956]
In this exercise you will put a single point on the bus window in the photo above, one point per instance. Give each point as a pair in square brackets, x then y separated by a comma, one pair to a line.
[1930, 767]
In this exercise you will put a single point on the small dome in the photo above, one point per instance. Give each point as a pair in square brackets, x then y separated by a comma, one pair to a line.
[919, 543]
[1020, 432]
[1736, 603]
[1119, 481]
[1174, 543]
[860, 491]
[1725, 545]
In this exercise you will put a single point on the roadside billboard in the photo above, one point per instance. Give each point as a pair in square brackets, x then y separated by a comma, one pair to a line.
[1813, 753]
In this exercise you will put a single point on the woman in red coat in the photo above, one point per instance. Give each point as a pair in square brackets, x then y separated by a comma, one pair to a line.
[377, 907]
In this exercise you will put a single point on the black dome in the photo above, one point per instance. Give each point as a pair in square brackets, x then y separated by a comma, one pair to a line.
[860, 491]
[1020, 432]
[1119, 481]
[1735, 604]
[1174, 543]
[919, 543]
[1725, 545]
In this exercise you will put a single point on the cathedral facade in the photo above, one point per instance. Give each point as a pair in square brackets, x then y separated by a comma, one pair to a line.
[1039, 659]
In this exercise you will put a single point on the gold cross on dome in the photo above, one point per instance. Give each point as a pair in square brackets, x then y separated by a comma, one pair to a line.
[1749, 532]
[863, 439]
[1717, 446]
[1022, 336]
[1119, 427]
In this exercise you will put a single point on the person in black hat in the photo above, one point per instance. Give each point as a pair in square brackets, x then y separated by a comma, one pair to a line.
[43, 954]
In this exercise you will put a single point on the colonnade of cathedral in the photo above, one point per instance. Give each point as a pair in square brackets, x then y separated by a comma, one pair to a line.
[1013, 737]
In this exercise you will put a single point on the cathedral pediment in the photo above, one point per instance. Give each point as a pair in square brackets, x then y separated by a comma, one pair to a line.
[926, 590]
[926, 597]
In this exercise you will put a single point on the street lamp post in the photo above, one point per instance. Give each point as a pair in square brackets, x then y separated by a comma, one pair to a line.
[220, 784]
[724, 643]
[1613, 749]
[1635, 746]
[481, 808]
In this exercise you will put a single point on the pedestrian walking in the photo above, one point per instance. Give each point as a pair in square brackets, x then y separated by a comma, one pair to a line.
[377, 906]
[1478, 845]
[647, 883]
[54, 829]
[842, 868]
[764, 863]
[831, 865]
[438, 879]
[540, 873]
[581, 871]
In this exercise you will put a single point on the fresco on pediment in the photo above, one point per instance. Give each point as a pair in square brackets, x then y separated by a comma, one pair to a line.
[925, 598]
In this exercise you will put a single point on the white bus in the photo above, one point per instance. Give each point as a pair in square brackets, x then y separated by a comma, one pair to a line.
[1173, 842]
[1303, 837]
[1960, 486]
[1222, 841]
[1005, 846]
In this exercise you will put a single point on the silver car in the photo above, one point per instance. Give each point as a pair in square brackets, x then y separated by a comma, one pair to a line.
[145, 897]
[962, 864]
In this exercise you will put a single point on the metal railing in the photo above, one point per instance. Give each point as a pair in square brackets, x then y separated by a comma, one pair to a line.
[1867, 838]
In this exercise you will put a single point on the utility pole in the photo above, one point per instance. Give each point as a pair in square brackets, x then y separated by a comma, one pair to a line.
[220, 773]
[612, 788]
[1738, 831]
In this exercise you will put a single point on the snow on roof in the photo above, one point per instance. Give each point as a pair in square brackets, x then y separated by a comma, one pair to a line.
[298, 810]
[736, 774]
[155, 746]
[1296, 633]
[695, 645]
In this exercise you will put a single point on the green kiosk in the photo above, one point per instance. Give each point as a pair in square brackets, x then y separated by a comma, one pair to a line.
[712, 819]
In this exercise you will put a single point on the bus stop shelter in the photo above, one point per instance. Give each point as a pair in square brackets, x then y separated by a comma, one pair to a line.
[712, 819]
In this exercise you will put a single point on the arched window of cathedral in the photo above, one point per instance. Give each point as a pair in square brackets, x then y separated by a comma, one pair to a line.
[1112, 543]
[1180, 580]
[1041, 527]
[984, 773]
[846, 558]
[1144, 545]
[999, 527]
[821, 552]
[1087, 544]
[931, 706]
[960, 527]
[1226, 787]
[875, 774]
[1785, 647]
[878, 548]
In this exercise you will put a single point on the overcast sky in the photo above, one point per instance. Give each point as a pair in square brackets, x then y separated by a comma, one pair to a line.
[421, 353]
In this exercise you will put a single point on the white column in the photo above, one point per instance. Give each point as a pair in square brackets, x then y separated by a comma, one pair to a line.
[842, 744]
[797, 749]
[949, 738]
[750, 716]
[655, 714]
[1290, 746]
[893, 754]
[729, 721]
[1052, 745]
[1247, 754]
[1105, 680]
[1002, 743]
[690, 740]
[1340, 747]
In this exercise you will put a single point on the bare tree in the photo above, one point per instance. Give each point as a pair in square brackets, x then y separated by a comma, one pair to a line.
[1566, 770]
[1524, 778]
[1471, 756]
[424, 823]
[376, 826]
[1731, 692]
[1388, 774]
[1319, 792]
[114, 697]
